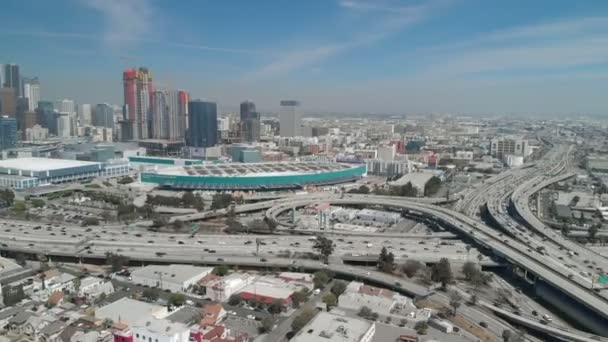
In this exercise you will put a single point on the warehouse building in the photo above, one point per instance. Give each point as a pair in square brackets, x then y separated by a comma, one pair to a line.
[171, 277]
[25, 173]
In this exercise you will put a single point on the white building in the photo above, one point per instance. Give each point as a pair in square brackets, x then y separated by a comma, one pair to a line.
[378, 167]
[31, 90]
[65, 106]
[331, 327]
[514, 161]
[130, 311]
[171, 277]
[502, 146]
[378, 216]
[290, 120]
[84, 114]
[382, 301]
[463, 155]
[386, 153]
[220, 290]
[93, 287]
[64, 127]
[36, 133]
[160, 330]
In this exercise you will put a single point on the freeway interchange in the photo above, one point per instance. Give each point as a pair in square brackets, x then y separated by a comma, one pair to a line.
[518, 242]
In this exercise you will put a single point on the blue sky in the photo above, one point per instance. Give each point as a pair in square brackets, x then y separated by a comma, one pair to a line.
[546, 57]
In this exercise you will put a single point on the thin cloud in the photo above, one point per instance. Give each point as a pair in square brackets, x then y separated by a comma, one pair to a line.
[367, 5]
[389, 24]
[548, 46]
[125, 21]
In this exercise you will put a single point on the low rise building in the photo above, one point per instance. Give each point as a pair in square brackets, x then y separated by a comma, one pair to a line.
[221, 289]
[160, 330]
[170, 277]
[382, 301]
[129, 311]
[92, 287]
[331, 327]
[378, 216]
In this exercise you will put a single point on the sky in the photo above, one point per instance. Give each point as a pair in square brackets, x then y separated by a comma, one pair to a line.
[469, 57]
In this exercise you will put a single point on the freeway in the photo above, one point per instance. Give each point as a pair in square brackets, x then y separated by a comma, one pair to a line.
[511, 250]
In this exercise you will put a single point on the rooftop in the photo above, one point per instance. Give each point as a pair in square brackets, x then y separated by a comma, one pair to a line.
[255, 169]
[42, 164]
[326, 327]
[127, 310]
[418, 179]
[177, 274]
[161, 327]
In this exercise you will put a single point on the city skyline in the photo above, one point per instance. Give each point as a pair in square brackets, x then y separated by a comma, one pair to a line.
[353, 56]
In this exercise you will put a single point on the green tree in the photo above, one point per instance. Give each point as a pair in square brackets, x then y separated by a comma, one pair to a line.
[220, 201]
[20, 259]
[199, 204]
[455, 301]
[234, 300]
[77, 284]
[320, 279]
[19, 206]
[442, 272]
[7, 195]
[432, 186]
[302, 319]
[90, 221]
[421, 327]
[507, 335]
[37, 203]
[299, 297]
[151, 294]
[386, 261]
[330, 300]
[267, 324]
[125, 180]
[188, 199]
[276, 307]
[411, 267]
[363, 189]
[338, 288]
[177, 299]
[221, 270]
[116, 261]
[324, 246]
[469, 270]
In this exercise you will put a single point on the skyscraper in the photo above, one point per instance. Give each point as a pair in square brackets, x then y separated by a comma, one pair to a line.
[66, 106]
[202, 124]
[250, 122]
[137, 86]
[22, 108]
[182, 113]
[103, 116]
[85, 114]
[12, 78]
[8, 102]
[64, 127]
[8, 132]
[47, 116]
[160, 114]
[290, 120]
[31, 91]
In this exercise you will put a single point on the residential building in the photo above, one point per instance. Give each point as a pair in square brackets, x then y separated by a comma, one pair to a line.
[290, 120]
[326, 326]
[137, 87]
[93, 287]
[202, 124]
[212, 314]
[31, 91]
[386, 153]
[503, 146]
[170, 277]
[378, 167]
[182, 114]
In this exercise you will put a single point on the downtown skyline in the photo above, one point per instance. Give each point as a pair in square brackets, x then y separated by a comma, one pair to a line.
[465, 57]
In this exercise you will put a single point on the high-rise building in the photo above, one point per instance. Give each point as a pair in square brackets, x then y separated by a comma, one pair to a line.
[64, 125]
[103, 116]
[65, 106]
[202, 124]
[8, 132]
[31, 91]
[182, 114]
[137, 94]
[250, 122]
[22, 108]
[160, 115]
[12, 78]
[47, 116]
[8, 102]
[85, 116]
[290, 120]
